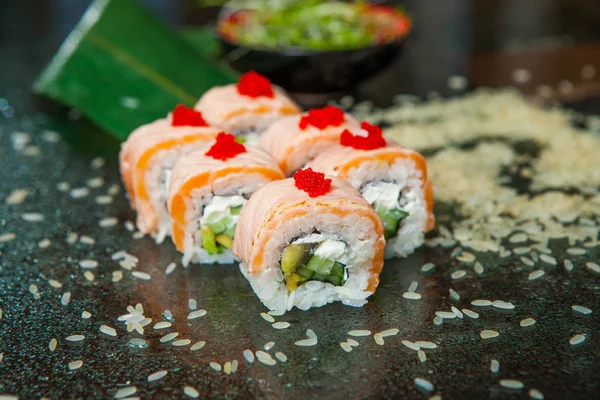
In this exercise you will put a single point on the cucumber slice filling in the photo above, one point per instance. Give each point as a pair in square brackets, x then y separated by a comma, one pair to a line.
[302, 262]
[218, 223]
[385, 199]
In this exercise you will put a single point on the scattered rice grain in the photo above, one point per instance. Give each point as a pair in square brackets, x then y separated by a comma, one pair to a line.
[581, 309]
[125, 392]
[267, 317]
[390, 332]
[411, 295]
[73, 365]
[458, 274]
[358, 332]
[170, 268]
[422, 356]
[527, 322]
[536, 274]
[249, 356]
[494, 366]
[198, 345]
[378, 339]
[511, 384]
[592, 266]
[141, 275]
[488, 334]
[424, 384]
[346, 347]
[577, 339]
[108, 222]
[197, 314]
[470, 313]
[157, 375]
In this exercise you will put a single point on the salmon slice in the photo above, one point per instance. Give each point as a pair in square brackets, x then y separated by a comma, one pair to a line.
[293, 147]
[198, 175]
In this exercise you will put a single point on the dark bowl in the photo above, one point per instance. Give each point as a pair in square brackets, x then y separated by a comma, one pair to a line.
[304, 71]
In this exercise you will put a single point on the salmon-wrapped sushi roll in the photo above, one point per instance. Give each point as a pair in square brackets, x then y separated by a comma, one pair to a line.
[146, 160]
[307, 241]
[208, 190]
[246, 108]
[295, 140]
[392, 179]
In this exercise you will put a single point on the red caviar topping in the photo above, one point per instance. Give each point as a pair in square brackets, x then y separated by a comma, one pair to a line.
[253, 84]
[373, 140]
[313, 183]
[322, 117]
[185, 116]
[225, 147]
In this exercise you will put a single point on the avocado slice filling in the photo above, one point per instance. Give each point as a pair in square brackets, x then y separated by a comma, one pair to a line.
[385, 199]
[302, 262]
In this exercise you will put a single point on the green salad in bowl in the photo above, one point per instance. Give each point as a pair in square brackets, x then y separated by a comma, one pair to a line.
[310, 24]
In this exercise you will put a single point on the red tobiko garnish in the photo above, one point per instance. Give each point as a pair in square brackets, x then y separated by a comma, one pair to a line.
[185, 116]
[322, 117]
[313, 183]
[225, 147]
[253, 84]
[373, 140]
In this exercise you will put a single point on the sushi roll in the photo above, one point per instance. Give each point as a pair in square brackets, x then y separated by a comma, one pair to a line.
[246, 108]
[208, 190]
[392, 179]
[309, 240]
[295, 140]
[146, 160]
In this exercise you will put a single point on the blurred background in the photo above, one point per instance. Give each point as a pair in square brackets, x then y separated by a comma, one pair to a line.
[549, 48]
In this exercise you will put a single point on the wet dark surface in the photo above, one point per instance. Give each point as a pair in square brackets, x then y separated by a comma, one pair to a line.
[539, 355]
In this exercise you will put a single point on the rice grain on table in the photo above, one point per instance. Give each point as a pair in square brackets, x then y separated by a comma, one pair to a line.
[7, 237]
[576, 251]
[311, 334]
[117, 276]
[33, 289]
[198, 345]
[65, 298]
[78, 193]
[191, 392]
[248, 355]
[88, 263]
[437, 320]
[470, 313]
[424, 384]
[581, 309]
[32, 217]
[85, 314]
[44, 243]
[488, 334]
[127, 264]
[413, 287]
[518, 238]
[458, 274]
[390, 332]
[352, 342]
[52, 345]
[125, 392]
[267, 317]
[157, 375]
[97, 163]
[281, 325]
[536, 394]
[197, 314]
[170, 268]
[548, 259]
[423, 344]
[227, 368]
[162, 325]
[281, 357]
[457, 312]
[306, 342]
[521, 250]
[89, 275]
[478, 268]
[141, 275]
[108, 222]
[527, 322]
[103, 199]
[494, 366]
[536, 274]
[268, 346]
[453, 294]
[592, 266]
[505, 305]
[95, 182]
[108, 330]
[527, 261]
[411, 295]
[75, 338]
[73, 365]
[359, 332]
[445, 314]
[410, 345]
[234, 365]
[17, 196]
[87, 240]
[346, 347]
[72, 237]
[577, 339]
[378, 339]
[422, 356]
[168, 337]
[427, 267]
[511, 384]
[216, 366]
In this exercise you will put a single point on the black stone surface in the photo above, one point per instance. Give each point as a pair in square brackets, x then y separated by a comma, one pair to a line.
[539, 355]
